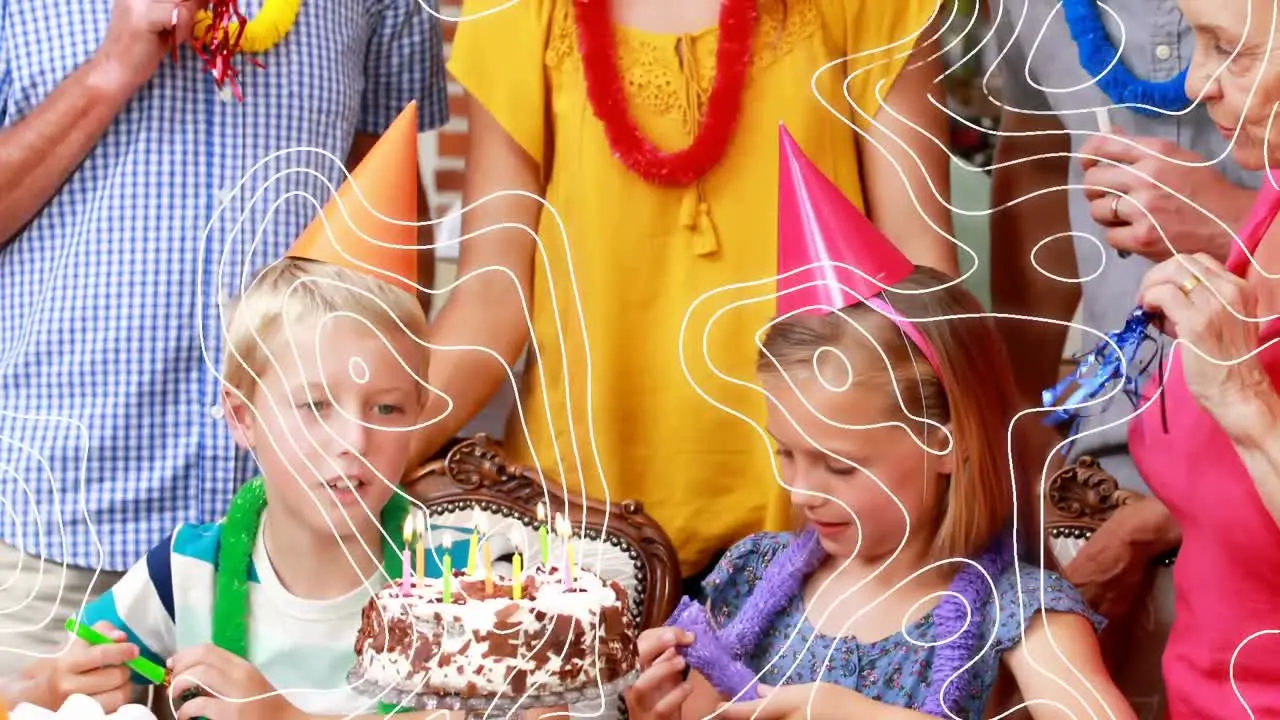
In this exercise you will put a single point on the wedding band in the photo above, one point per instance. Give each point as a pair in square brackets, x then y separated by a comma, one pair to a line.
[1189, 284]
[1115, 209]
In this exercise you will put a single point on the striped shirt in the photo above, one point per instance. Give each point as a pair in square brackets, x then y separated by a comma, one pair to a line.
[304, 648]
[109, 334]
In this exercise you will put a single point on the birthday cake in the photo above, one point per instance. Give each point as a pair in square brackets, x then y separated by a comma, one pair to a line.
[554, 635]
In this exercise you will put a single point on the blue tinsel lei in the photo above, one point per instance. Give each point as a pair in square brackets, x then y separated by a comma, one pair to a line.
[1099, 58]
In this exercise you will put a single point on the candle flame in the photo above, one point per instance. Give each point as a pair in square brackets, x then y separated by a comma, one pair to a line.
[420, 523]
[542, 513]
[409, 527]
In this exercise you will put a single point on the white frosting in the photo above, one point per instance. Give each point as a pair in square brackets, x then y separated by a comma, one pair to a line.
[460, 661]
[80, 707]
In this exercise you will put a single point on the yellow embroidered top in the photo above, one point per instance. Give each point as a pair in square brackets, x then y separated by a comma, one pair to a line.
[646, 309]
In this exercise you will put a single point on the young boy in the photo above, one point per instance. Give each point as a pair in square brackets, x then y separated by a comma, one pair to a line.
[323, 382]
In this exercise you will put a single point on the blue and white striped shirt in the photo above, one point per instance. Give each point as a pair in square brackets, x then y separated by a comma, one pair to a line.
[109, 322]
[304, 648]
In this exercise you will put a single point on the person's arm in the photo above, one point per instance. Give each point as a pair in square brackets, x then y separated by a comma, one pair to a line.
[40, 151]
[360, 146]
[486, 314]
[905, 162]
[1060, 672]
[1259, 448]
[1029, 205]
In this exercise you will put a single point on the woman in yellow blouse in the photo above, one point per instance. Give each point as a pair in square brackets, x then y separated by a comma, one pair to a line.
[650, 127]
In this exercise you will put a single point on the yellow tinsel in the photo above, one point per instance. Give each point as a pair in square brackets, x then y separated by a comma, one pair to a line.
[264, 31]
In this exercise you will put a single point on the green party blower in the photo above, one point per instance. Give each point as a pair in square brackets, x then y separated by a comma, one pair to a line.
[140, 665]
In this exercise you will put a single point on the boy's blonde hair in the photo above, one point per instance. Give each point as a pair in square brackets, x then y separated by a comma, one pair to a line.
[294, 290]
[975, 395]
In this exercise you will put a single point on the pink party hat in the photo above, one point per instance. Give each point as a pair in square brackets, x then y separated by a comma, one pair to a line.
[820, 230]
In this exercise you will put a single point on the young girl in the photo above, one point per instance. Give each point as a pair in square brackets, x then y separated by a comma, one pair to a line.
[902, 593]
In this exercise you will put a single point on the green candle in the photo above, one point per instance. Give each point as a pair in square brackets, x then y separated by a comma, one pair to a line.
[448, 577]
[543, 542]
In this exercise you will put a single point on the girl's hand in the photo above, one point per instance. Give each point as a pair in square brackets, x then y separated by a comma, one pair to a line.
[98, 672]
[814, 701]
[1213, 312]
[226, 687]
[660, 691]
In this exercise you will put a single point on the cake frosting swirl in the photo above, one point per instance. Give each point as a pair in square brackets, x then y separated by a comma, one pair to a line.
[483, 642]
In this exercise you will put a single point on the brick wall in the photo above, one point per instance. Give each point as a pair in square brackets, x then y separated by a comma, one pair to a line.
[444, 152]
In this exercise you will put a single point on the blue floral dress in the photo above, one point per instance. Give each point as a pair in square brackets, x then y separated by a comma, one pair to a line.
[893, 670]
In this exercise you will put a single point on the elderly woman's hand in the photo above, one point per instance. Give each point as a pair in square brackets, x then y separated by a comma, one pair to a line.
[1214, 313]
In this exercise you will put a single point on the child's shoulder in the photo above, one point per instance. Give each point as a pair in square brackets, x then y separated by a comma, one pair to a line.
[195, 541]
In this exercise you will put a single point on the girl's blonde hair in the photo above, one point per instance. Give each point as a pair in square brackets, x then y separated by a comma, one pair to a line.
[975, 396]
[293, 291]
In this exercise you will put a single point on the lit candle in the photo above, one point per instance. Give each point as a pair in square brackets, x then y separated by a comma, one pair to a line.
[405, 568]
[448, 567]
[517, 577]
[471, 549]
[420, 525]
[562, 530]
[543, 541]
[488, 568]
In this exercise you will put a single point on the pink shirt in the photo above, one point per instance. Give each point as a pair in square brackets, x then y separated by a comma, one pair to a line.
[1227, 575]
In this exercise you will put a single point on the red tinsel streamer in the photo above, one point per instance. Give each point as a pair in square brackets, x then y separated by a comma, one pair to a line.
[220, 44]
[608, 100]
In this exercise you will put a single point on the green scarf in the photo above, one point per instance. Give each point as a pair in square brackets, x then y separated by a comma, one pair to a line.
[235, 552]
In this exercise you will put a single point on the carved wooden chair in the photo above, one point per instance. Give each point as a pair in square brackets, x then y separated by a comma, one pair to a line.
[620, 542]
[1080, 498]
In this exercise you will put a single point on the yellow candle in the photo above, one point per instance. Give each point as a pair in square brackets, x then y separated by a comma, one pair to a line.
[421, 527]
[471, 551]
[517, 572]
[488, 569]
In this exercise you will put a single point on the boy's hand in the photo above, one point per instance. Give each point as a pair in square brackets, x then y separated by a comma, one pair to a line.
[98, 672]
[660, 691]
[226, 687]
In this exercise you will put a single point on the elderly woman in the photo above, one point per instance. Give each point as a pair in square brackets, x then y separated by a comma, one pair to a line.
[1213, 455]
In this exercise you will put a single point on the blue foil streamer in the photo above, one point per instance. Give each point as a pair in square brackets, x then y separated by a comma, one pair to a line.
[1113, 361]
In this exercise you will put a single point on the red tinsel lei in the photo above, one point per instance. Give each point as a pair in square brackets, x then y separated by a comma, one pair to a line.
[608, 100]
[221, 44]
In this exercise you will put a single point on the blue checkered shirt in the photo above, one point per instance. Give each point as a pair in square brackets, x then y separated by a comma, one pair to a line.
[109, 322]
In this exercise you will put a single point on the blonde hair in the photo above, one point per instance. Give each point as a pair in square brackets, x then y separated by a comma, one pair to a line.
[975, 394]
[299, 291]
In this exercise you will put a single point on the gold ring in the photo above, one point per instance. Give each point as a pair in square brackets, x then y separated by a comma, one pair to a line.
[1189, 284]
[1115, 209]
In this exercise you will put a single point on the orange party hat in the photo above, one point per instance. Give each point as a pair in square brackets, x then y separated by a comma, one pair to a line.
[370, 224]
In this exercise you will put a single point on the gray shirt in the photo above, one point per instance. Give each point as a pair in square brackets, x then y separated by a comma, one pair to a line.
[1040, 72]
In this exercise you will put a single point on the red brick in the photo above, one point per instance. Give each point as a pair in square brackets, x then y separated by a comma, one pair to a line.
[452, 144]
[449, 180]
[457, 106]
